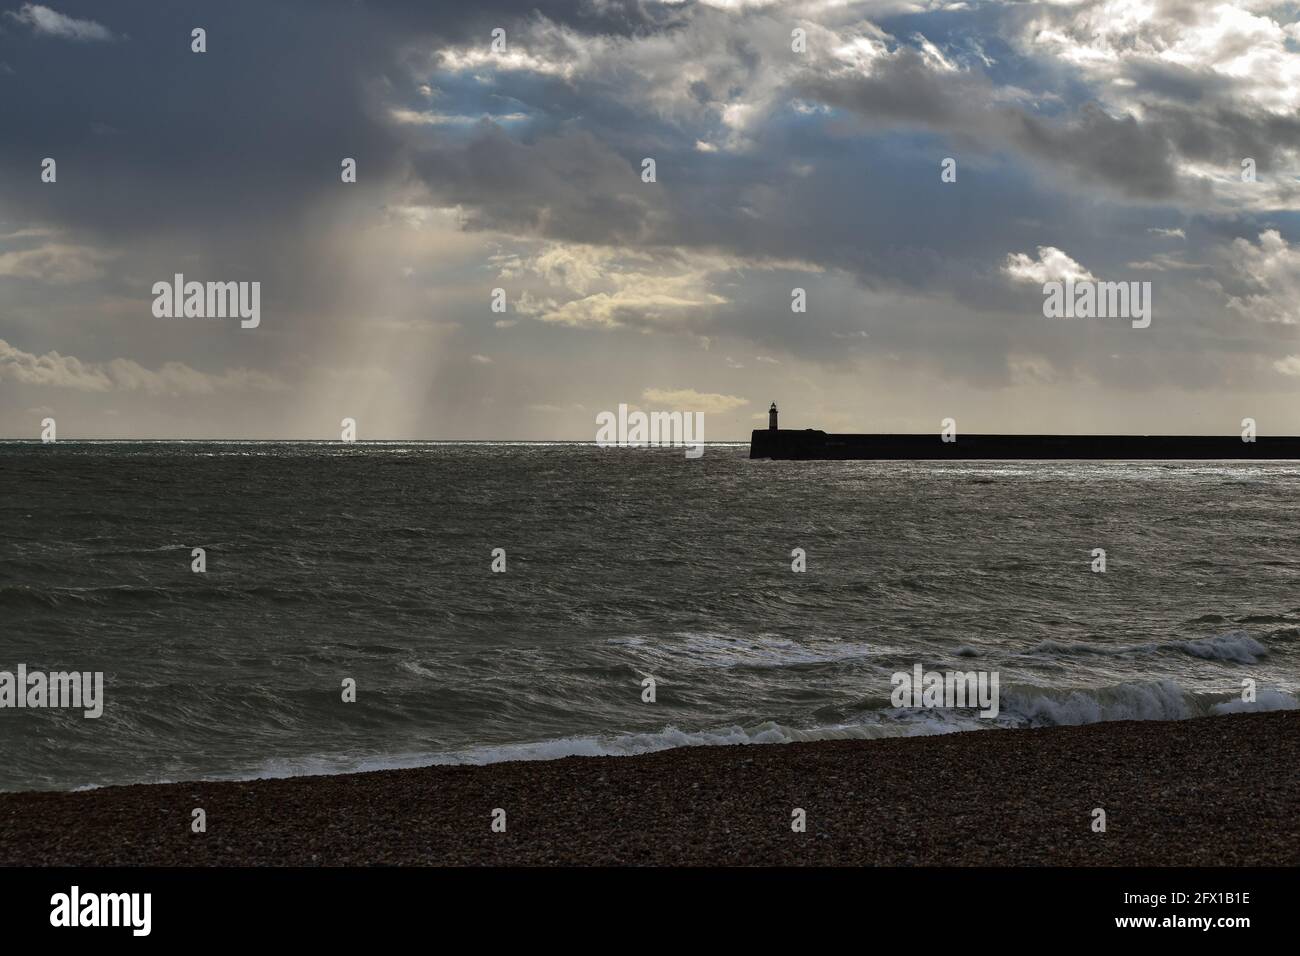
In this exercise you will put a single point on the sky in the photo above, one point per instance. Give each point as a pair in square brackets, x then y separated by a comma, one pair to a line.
[796, 145]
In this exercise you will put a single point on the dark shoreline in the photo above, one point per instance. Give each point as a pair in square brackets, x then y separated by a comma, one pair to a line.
[1214, 791]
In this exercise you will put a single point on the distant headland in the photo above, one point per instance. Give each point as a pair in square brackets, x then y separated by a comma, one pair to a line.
[812, 444]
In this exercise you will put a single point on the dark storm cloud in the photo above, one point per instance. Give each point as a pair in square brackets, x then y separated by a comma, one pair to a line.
[1186, 114]
[233, 147]
[221, 163]
[902, 89]
[153, 139]
[199, 138]
[568, 186]
[1137, 159]
[245, 133]
[872, 205]
[774, 170]
[1119, 151]
[1224, 136]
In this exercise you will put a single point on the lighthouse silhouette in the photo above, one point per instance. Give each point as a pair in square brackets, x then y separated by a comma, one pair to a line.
[771, 418]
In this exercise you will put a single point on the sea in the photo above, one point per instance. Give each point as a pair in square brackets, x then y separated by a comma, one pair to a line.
[641, 600]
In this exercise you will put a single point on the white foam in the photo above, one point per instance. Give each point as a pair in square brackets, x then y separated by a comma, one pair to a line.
[1021, 707]
[618, 745]
[1225, 647]
[1264, 700]
[623, 745]
[1235, 647]
[1157, 700]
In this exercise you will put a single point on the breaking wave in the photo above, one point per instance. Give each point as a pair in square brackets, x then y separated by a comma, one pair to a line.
[1021, 707]
[1235, 647]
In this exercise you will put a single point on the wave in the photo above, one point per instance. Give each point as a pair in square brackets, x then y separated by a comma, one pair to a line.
[1157, 700]
[1226, 647]
[1021, 707]
[594, 745]
[1265, 700]
[1235, 647]
[1146, 700]
[702, 649]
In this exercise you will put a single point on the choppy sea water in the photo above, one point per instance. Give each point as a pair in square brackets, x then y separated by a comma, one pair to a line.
[372, 561]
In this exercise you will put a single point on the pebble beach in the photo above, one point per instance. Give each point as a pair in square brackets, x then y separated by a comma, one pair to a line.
[1211, 791]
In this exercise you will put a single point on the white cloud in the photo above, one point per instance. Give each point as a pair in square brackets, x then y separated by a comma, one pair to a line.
[431, 118]
[1289, 365]
[671, 67]
[1271, 270]
[172, 378]
[56, 263]
[689, 400]
[609, 287]
[542, 47]
[1238, 44]
[1165, 262]
[572, 267]
[61, 371]
[1052, 265]
[51, 23]
[654, 301]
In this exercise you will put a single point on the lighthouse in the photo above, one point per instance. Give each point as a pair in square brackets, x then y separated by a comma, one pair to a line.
[771, 418]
